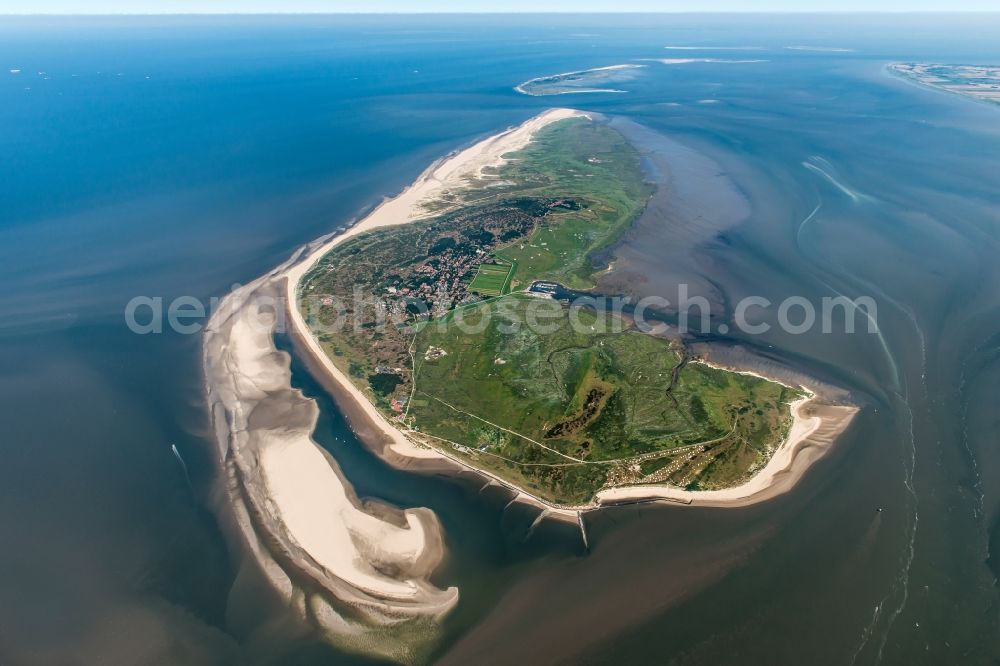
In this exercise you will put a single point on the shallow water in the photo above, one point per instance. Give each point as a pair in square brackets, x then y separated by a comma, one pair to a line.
[252, 136]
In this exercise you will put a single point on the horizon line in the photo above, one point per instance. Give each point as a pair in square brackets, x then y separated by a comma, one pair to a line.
[514, 13]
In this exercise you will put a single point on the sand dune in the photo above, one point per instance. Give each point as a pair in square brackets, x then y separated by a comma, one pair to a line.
[360, 570]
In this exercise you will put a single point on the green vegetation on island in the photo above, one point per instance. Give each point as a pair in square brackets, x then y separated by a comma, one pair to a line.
[431, 320]
[580, 400]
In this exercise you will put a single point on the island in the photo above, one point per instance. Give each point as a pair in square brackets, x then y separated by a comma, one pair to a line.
[466, 325]
[978, 82]
[458, 328]
[593, 80]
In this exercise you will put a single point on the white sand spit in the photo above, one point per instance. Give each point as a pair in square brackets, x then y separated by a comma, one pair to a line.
[367, 565]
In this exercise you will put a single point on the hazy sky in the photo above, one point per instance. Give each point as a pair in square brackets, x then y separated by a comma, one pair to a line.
[264, 6]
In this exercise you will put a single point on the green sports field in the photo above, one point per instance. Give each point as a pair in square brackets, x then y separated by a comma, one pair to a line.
[491, 279]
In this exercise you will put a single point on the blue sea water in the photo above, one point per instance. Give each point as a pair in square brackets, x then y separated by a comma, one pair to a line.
[168, 157]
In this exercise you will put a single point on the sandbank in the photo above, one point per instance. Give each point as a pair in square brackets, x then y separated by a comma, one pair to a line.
[358, 570]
